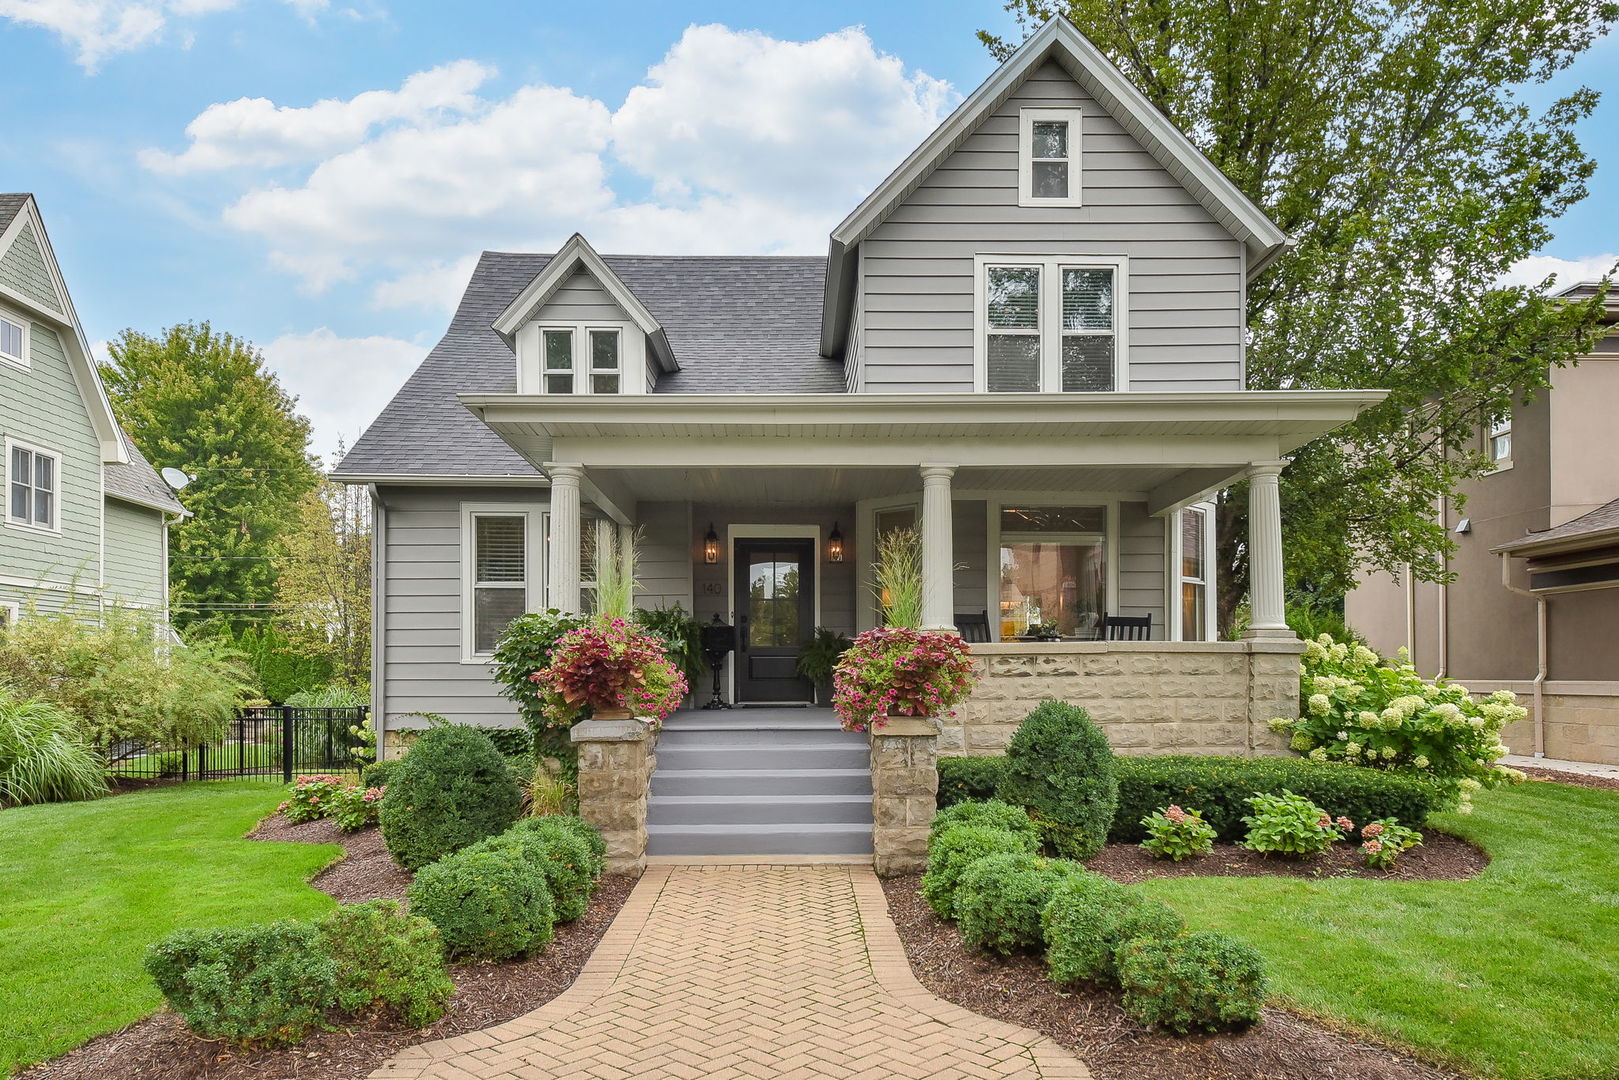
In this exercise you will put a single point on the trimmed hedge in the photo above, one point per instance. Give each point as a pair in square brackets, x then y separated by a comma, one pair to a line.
[1059, 767]
[559, 854]
[452, 790]
[1202, 981]
[263, 983]
[387, 961]
[1219, 787]
[951, 851]
[968, 778]
[576, 825]
[379, 773]
[488, 904]
[1000, 899]
[989, 812]
[1089, 919]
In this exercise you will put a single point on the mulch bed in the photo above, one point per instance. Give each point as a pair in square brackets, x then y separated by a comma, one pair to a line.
[1440, 857]
[1601, 783]
[1091, 1023]
[485, 993]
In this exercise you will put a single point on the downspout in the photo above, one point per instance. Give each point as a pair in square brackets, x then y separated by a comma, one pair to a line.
[1541, 652]
[1444, 596]
[379, 548]
[1410, 614]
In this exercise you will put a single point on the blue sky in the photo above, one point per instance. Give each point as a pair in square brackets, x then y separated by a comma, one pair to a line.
[185, 170]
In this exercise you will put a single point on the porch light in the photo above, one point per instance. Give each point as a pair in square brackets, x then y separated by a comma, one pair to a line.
[711, 545]
[834, 544]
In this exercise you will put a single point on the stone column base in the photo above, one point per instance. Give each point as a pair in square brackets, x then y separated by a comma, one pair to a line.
[904, 793]
[615, 770]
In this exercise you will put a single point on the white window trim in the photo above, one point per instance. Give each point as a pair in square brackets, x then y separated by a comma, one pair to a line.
[531, 356]
[16, 317]
[865, 549]
[10, 612]
[1172, 602]
[1051, 267]
[534, 552]
[1025, 156]
[992, 547]
[1493, 432]
[55, 527]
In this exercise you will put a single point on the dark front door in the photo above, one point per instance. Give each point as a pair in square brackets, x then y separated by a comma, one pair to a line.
[775, 608]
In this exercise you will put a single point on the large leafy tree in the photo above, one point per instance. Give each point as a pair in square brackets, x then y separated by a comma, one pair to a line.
[204, 402]
[1391, 139]
[324, 581]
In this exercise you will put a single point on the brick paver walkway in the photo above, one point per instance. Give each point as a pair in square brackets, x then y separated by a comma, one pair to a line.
[745, 972]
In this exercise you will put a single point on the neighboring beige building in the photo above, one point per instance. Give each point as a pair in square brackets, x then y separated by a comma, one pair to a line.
[1548, 518]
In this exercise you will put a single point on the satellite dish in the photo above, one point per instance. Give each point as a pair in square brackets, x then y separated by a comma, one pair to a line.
[175, 479]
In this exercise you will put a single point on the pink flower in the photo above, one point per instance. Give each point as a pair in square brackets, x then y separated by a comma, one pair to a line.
[1372, 831]
[1372, 847]
[1346, 825]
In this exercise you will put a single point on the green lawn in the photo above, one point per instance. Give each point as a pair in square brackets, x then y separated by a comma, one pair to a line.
[1512, 974]
[85, 887]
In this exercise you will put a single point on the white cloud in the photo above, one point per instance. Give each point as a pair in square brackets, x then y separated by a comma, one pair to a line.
[96, 29]
[257, 132]
[341, 383]
[1536, 268]
[735, 142]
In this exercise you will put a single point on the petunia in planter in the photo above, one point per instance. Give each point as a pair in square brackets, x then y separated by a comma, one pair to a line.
[609, 670]
[899, 671]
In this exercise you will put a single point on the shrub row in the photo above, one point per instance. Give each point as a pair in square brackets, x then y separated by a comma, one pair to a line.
[1219, 787]
[274, 982]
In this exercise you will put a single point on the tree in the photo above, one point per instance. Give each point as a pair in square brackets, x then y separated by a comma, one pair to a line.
[203, 402]
[1390, 140]
[323, 581]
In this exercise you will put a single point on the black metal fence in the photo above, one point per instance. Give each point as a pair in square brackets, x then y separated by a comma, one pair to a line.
[272, 741]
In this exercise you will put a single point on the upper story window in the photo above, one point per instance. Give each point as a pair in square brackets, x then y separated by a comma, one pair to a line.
[1048, 157]
[13, 339]
[1500, 442]
[1050, 324]
[33, 486]
[580, 359]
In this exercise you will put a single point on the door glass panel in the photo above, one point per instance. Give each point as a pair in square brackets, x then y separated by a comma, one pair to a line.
[773, 578]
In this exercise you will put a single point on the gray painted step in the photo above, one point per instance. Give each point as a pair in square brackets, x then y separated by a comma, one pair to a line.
[760, 736]
[677, 757]
[667, 781]
[738, 839]
[805, 719]
[759, 809]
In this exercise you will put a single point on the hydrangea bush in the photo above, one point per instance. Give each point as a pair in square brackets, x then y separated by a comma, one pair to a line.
[311, 798]
[354, 807]
[1174, 833]
[1384, 841]
[899, 671]
[1362, 710]
[609, 664]
[1291, 825]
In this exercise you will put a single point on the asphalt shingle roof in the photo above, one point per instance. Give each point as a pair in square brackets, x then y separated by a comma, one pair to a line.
[138, 481]
[10, 204]
[1602, 519]
[736, 324]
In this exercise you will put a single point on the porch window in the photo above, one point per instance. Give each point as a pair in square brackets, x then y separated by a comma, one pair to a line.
[499, 578]
[1053, 569]
[1195, 542]
[1051, 325]
[33, 487]
[1048, 157]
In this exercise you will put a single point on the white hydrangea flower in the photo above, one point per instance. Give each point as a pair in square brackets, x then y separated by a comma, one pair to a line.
[1318, 754]
[1368, 718]
[1281, 723]
[1339, 653]
[1343, 736]
[1320, 704]
[1469, 784]
[1389, 753]
[1504, 697]
[1363, 655]
[1420, 761]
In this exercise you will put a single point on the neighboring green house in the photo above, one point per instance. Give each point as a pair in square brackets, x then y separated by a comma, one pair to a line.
[85, 517]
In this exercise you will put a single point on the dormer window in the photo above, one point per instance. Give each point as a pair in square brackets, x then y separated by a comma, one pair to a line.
[1048, 157]
[582, 359]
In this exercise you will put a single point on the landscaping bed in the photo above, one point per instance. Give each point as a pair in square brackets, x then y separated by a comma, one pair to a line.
[485, 993]
[1092, 1023]
[1600, 783]
[1440, 857]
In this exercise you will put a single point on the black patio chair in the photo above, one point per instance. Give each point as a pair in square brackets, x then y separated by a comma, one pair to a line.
[972, 628]
[1127, 627]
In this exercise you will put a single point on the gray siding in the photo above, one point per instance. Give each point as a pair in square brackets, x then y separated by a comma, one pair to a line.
[664, 557]
[1186, 311]
[1141, 566]
[580, 299]
[421, 608]
[23, 270]
[41, 405]
[134, 568]
[837, 580]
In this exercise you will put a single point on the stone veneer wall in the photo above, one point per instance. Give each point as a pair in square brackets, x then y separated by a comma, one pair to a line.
[1150, 697]
[1582, 718]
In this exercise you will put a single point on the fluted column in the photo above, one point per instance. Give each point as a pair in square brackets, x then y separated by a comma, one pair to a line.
[562, 570]
[938, 550]
[1268, 614]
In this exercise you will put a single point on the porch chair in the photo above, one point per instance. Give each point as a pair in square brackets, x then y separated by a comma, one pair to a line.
[973, 628]
[1126, 627]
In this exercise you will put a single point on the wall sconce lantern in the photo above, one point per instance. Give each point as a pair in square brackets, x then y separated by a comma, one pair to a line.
[834, 545]
[711, 545]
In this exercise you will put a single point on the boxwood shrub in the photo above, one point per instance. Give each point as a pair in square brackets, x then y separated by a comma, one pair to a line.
[577, 826]
[453, 789]
[487, 904]
[964, 778]
[559, 854]
[262, 983]
[999, 899]
[1201, 981]
[1090, 918]
[991, 812]
[387, 961]
[952, 850]
[1221, 786]
[1059, 767]
[379, 773]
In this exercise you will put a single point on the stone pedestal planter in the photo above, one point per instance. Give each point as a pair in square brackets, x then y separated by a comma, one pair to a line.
[615, 769]
[904, 793]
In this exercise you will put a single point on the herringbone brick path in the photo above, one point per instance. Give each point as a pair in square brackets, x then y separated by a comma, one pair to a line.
[745, 972]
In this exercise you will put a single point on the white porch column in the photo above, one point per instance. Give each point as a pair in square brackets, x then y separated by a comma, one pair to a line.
[562, 564]
[1268, 611]
[938, 550]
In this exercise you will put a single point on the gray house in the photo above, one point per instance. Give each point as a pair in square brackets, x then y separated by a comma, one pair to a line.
[1027, 342]
[85, 518]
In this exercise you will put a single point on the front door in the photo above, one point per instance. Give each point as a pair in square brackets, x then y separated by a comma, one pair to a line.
[775, 607]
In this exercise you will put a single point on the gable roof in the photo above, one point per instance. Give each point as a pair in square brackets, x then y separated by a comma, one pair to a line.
[137, 482]
[710, 308]
[24, 218]
[1059, 41]
[574, 256]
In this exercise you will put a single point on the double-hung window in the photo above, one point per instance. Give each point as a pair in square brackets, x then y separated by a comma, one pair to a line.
[33, 486]
[498, 566]
[1195, 552]
[582, 360]
[13, 339]
[1051, 324]
[1048, 157]
[1500, 442]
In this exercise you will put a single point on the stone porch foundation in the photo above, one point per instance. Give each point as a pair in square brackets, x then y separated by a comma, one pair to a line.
[616, 760]
[904, 793]
[1150, 697]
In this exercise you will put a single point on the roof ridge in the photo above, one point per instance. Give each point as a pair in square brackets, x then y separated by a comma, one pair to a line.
[650, 255]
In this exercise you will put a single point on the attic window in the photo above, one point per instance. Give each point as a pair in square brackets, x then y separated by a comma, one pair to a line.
[582, 359]
[1048, 157]
[13, 340]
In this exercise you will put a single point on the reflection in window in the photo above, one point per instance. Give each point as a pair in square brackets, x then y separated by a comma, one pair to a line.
[773, 601]
[1194, 575]
[1053, 562]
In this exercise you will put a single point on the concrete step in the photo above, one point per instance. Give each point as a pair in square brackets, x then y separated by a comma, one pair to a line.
[755, 839]
[758, 809]
[678, 757]
[667, 781]
[761, 736]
